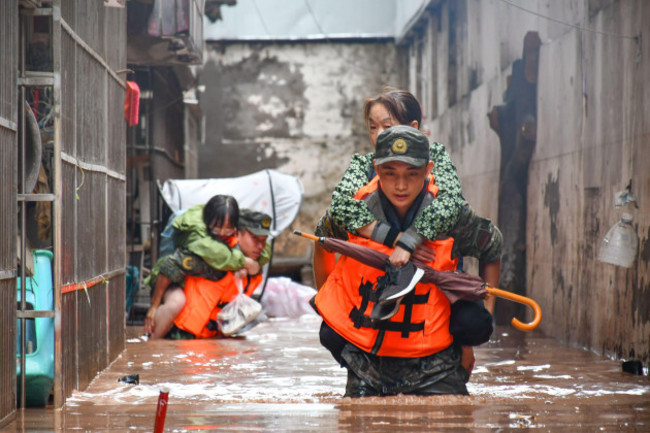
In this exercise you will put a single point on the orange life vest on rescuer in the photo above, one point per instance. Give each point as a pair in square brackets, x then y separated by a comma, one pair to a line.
[420, 327]
[205, 298]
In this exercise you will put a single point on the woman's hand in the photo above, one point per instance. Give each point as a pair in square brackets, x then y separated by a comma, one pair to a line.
[424, 253]
[251, 266]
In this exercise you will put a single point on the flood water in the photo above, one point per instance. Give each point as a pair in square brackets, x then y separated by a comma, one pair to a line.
[279, 379]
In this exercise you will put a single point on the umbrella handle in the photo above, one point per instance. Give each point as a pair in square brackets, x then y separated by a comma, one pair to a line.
[522, 300]
[308, 236]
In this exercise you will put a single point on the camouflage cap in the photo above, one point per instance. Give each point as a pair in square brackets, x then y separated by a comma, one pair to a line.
[255, 222]
[402, 143]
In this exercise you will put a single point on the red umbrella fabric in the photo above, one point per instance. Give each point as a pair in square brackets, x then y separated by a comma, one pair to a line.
[455, 285]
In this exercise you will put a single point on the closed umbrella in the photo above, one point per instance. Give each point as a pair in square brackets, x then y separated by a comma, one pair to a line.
[455, 285]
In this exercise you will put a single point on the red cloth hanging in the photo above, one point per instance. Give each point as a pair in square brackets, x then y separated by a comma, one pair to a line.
[132, 103]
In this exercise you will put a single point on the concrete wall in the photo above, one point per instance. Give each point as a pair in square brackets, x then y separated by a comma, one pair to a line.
[600, 84]
[592, 139]
[294, 107]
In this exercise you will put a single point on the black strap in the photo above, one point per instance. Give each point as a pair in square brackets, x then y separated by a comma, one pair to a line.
[405, 327]
[404, 246]
[389, 240]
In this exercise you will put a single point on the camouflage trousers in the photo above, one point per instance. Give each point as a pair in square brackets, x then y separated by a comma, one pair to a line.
[372, 375]
[180, 264]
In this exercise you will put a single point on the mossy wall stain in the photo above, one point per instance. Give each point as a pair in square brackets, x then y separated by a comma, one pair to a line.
[552, 203]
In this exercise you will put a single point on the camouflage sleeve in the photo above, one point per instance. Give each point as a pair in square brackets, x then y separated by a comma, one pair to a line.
[476, 236]
[442, 214]
[345, 211]
[327, 228]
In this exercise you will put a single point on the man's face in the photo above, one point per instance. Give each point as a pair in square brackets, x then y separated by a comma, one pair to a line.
[401, 183]
[250, 244]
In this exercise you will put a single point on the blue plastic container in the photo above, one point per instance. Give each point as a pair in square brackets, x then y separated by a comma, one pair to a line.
[132, 277]
[39, 350]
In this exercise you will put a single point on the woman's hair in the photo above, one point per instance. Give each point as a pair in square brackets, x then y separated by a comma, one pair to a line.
[218, 208]
[402, 105]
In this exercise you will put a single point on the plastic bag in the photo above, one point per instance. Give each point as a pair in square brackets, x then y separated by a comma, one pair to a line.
[238, 313]
[286, 298]
[250, 325]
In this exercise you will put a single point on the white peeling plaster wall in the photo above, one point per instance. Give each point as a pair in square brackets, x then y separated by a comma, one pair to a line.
[294, 107]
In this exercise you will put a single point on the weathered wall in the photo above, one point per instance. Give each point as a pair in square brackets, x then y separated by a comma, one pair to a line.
[598, 83]
[592, 139]
[294, 107]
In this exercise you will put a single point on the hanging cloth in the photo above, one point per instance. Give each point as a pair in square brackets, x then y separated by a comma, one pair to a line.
[132, 103]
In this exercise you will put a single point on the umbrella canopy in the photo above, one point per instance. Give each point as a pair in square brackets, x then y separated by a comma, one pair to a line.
[455, 285]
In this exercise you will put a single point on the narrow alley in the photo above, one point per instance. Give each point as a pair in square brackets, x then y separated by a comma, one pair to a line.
[520, 126]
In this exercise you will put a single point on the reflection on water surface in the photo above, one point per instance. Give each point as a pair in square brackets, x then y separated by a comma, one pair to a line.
[278, 379]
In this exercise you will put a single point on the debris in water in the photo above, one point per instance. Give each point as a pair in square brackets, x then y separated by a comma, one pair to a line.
[634, 367]
[131, 379]
[161, 410]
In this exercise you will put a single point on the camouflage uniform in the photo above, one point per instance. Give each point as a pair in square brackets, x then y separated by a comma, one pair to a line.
[475, 236]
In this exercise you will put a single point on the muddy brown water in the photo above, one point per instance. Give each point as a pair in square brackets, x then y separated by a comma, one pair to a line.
[279, 379]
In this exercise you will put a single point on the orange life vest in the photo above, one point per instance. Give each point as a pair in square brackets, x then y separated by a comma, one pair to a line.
[205, 298]
[420, 327]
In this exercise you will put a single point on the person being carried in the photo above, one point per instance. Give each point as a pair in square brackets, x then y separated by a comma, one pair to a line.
[390, 108]
[411, 351]
[205, 297]
[203, 237]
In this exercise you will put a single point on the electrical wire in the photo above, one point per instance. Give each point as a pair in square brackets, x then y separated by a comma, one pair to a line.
[635, 38]
[261, 17]
[336, 47]
[313, 15]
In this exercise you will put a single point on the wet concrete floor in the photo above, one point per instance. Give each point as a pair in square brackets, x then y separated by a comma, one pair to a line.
[279, 379]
